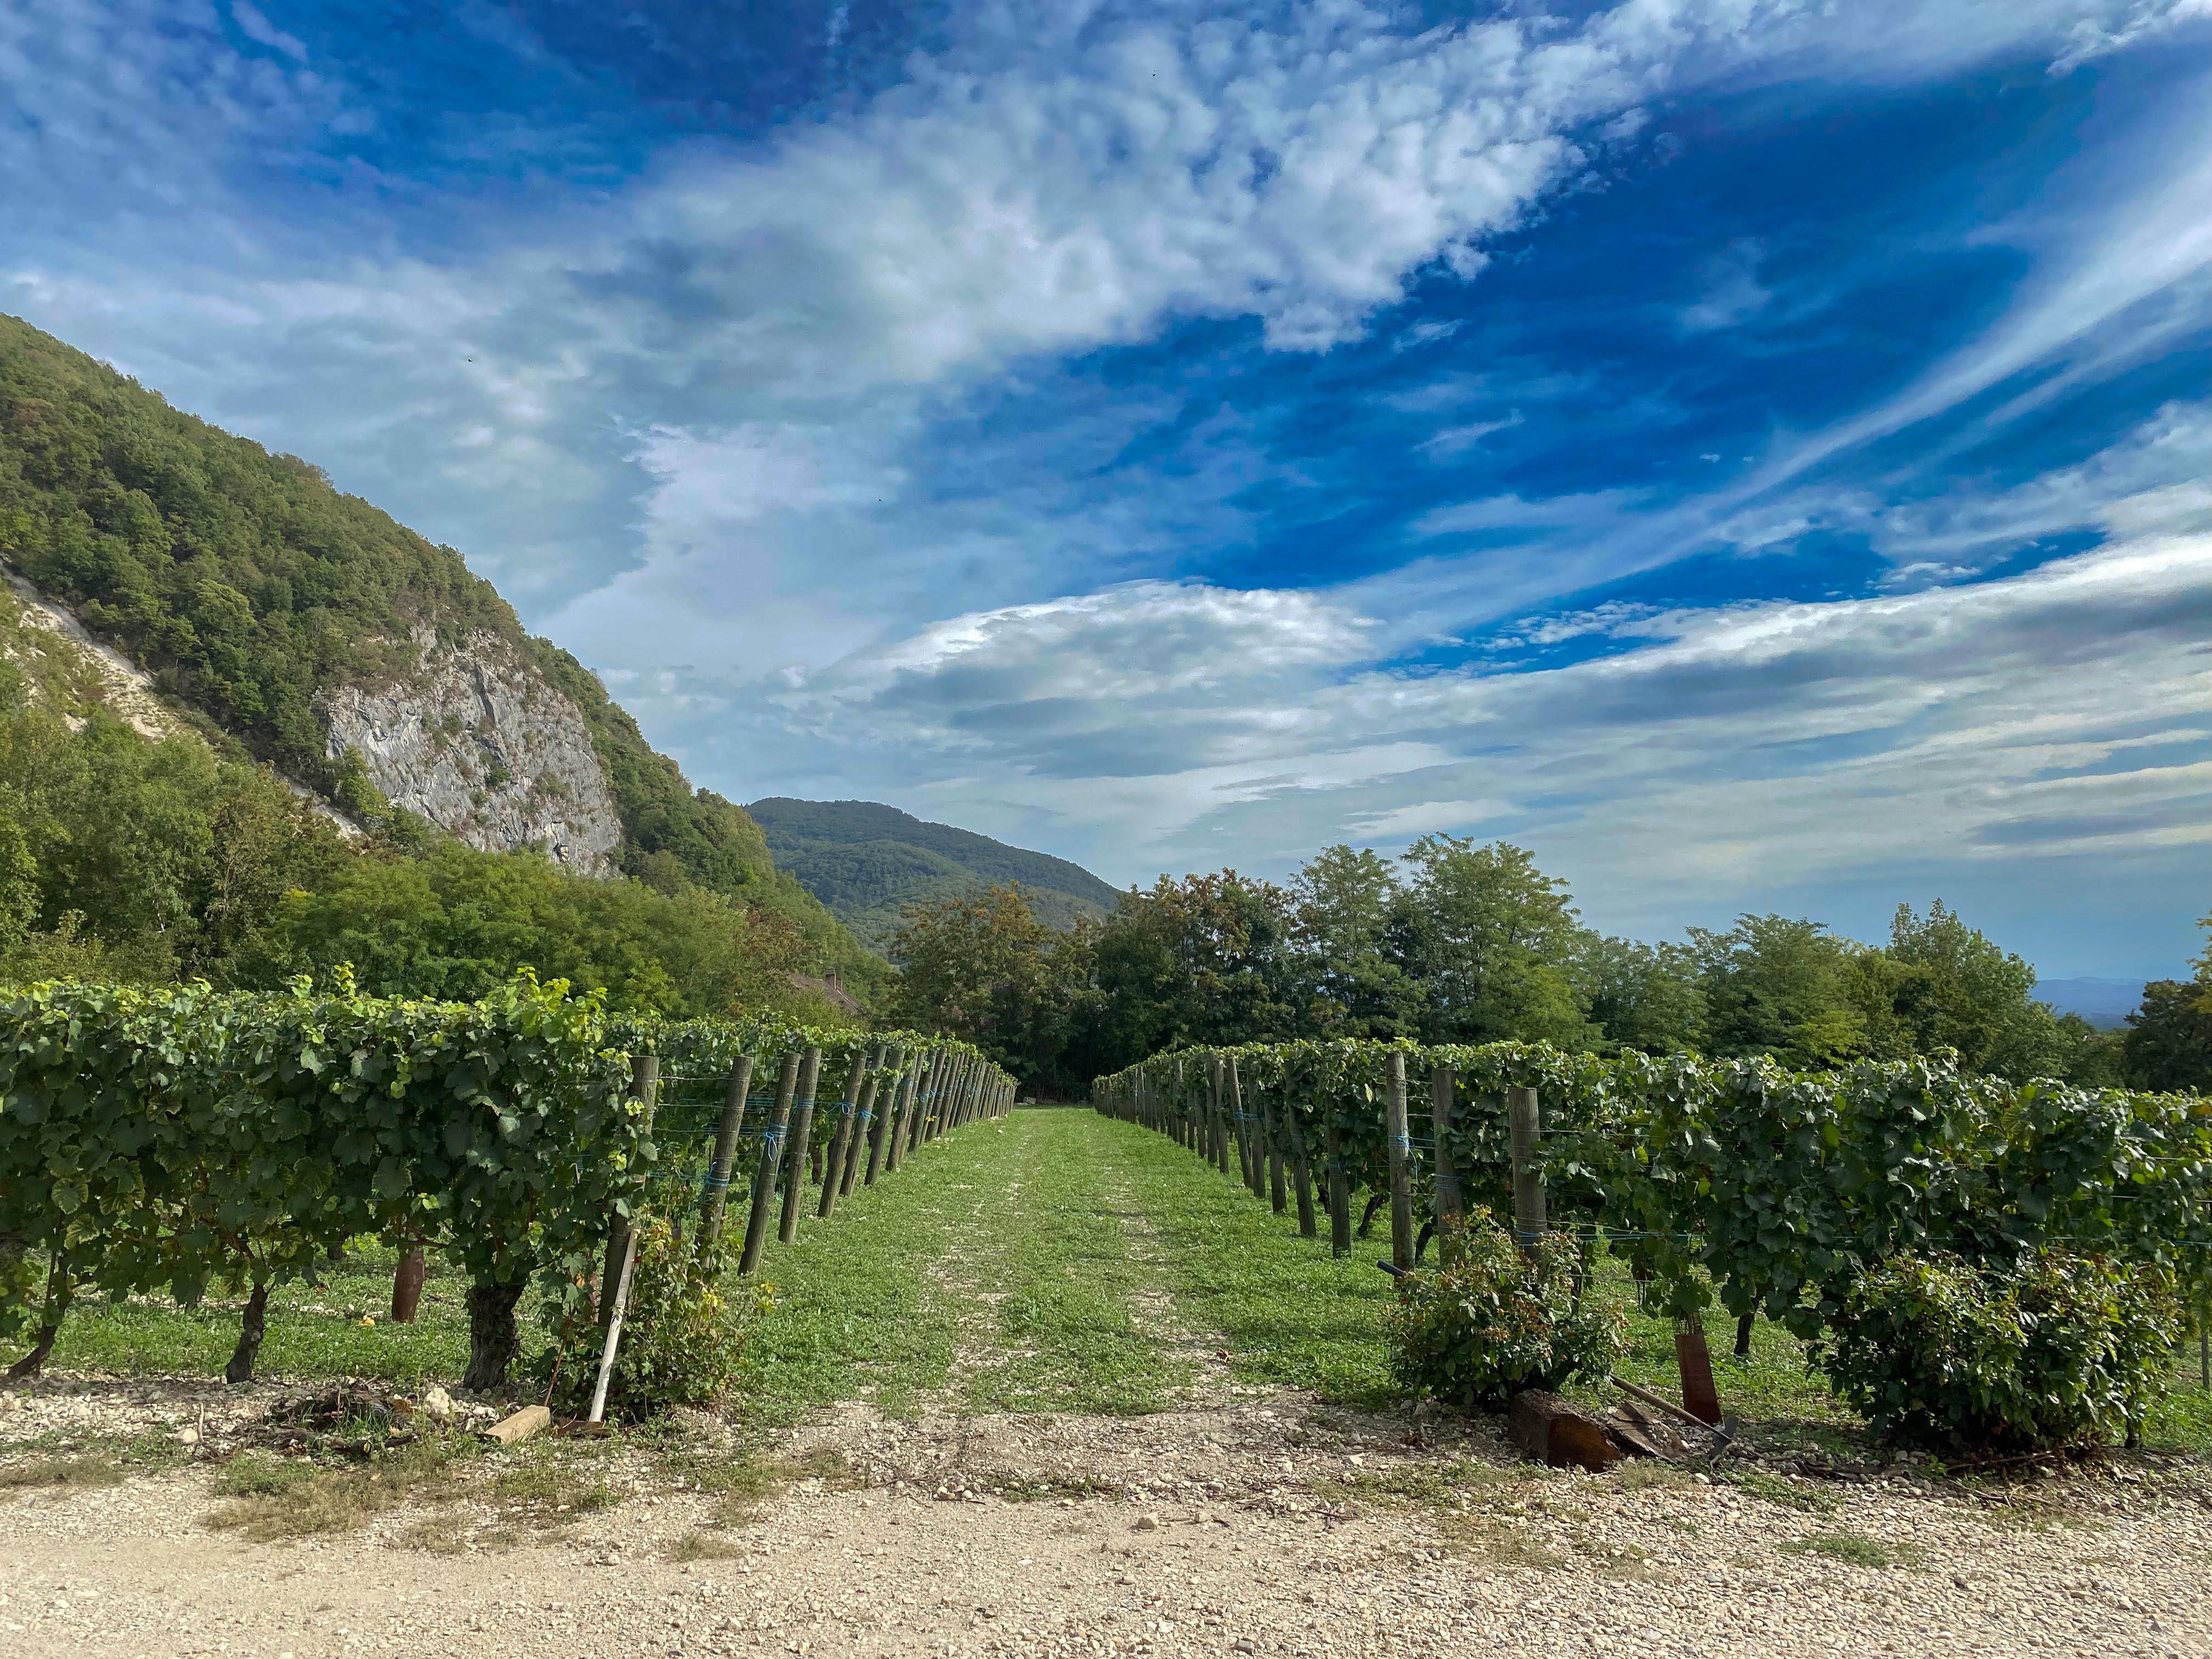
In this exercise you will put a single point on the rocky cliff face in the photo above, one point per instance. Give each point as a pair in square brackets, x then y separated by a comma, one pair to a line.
[485, 750]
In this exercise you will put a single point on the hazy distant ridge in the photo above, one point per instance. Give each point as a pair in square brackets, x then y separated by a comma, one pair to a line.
[867, 862]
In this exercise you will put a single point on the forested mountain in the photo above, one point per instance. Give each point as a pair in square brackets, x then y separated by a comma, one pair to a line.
[293, 626]
[868, 862]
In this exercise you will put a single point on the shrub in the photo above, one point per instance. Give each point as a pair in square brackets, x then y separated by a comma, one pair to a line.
[1953, 1355]
[682, 1336]
[1496, 1322]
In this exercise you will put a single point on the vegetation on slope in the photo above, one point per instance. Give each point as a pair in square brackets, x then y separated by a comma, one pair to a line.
[125, 859]
[245, 584]
[868, 862]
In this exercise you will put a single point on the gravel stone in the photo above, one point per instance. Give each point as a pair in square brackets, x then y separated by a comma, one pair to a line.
[1282, 1528]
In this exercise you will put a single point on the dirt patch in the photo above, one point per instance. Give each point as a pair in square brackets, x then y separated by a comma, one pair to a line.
[1153, 1310]
[1268, 1526]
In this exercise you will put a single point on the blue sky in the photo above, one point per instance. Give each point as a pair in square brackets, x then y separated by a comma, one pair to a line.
[1757, 455]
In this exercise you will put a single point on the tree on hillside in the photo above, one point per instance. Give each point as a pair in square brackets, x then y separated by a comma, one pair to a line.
[1347, 979]
[1490, 938]
[973, 967]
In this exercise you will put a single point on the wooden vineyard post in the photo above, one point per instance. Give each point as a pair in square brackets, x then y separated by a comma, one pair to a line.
[771, 1160]
[917, 1091]
[864, 1123]
[942, 1090]
[1450, 1200]
[1216, 1146]
[407, 1285]
[645, 1086]
[857, 1073]
[725, 1152]
[1340, 1185]
[616, 1305]
[925, 1102]
[802, 1127]
[1245, 1144]
[1223, 1131]
[1278, 1200]
[1302, 1161]
[1524, 1124]
[885, 1138]
[1401, 1160]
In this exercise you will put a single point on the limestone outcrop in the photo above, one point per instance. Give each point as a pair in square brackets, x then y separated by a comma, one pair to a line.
[485, 750]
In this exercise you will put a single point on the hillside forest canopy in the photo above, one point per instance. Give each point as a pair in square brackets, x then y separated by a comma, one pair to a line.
[245, 584]
[1461, 943]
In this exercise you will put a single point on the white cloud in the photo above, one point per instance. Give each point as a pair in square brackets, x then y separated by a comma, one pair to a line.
[1732, 292]
[254, 26]
[1933, 728]
[1456, 439]
[1403, 824]
[2117, 29]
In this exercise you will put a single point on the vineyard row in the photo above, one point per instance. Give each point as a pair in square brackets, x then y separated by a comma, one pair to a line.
[163, 1140]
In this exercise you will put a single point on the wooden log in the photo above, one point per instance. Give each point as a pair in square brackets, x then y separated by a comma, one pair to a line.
[1658, 1400]
[1524, 1125]
[719, 1171]
[1401, 1159]
[530, 1420]
[802, 1127]
[771, 1161]
[1450, 1202]
[857, 1072]
[1644, 1434]
[407, 1285]
[1552, 1432]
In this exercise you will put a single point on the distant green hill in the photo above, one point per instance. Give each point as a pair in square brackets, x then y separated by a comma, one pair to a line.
[867, 862]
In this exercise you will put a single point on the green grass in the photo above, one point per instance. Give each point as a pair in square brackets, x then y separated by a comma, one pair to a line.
[1046, 1246]
[312, 1332]
[1288, 1314]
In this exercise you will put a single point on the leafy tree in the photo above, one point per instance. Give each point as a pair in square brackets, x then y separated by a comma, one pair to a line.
[1490, 937]
[974, 967]
[1644, 997]
[1782, 988]
[1202, 960]
[1964, 993]
[2169, 1040]
[456, 923]
[1346, 972]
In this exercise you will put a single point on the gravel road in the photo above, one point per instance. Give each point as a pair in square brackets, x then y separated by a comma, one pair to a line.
[1265, 1526]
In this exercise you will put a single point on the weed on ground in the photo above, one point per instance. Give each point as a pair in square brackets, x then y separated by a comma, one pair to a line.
[1854, 1549]
[285, 1497]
